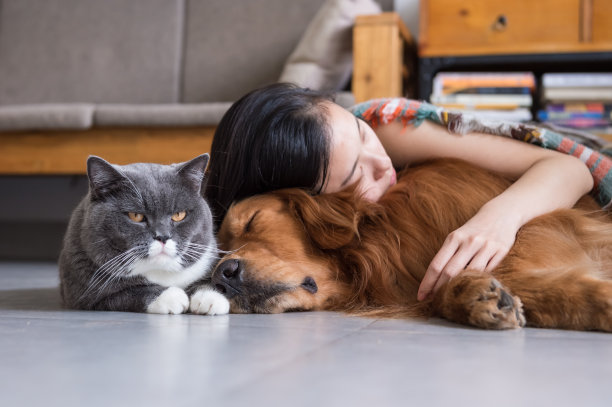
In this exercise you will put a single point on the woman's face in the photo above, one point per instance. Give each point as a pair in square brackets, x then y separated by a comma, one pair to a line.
[356, 156]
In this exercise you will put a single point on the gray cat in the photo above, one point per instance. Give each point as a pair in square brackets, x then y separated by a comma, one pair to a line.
[141, 240]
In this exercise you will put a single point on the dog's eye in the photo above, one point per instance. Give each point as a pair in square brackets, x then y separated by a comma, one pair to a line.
[247, 227]
[309, 285]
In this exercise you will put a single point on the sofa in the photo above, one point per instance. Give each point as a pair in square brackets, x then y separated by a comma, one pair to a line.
[148, 80]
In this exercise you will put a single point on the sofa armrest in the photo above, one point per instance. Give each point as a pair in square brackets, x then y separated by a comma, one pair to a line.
[384, 57]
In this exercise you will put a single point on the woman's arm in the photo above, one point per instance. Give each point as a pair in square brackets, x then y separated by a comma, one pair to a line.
[545, 180]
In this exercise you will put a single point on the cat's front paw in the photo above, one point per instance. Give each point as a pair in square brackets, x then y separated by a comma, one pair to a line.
[172, 300]
[206, 301]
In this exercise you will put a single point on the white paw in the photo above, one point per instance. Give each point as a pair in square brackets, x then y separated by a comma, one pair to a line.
[206, 301]
[172, 300]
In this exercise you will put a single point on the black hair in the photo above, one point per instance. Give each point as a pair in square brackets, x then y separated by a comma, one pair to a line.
[272, 138]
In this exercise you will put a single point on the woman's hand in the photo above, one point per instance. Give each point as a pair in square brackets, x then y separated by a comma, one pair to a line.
[480, 244]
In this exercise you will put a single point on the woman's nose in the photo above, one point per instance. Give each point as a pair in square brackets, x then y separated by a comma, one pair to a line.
[381, 165]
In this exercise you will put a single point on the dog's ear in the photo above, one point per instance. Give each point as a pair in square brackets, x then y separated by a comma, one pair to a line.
[330, 220]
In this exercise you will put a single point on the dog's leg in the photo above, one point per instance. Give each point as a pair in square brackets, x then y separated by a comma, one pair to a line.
[568, 299]
[480, 300]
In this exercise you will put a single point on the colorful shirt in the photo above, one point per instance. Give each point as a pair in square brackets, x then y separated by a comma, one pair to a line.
[382, 111]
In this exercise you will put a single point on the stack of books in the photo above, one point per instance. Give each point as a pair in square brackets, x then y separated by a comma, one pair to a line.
[493, 95]
[578, 100]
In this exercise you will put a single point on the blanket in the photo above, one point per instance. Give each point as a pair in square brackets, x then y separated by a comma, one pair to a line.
[407, 111]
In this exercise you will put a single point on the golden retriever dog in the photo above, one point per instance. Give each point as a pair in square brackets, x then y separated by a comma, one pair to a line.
[291, 251]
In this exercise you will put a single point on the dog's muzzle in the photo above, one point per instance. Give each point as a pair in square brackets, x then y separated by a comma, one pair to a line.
[228, 277]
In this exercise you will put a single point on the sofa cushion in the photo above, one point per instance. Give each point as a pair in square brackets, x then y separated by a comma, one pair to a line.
[234, 47]
[46, 116]
[113, 51]
[323, 58]
[174, 115]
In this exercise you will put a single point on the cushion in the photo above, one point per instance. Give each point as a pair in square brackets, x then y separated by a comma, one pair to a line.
[172, 115]
[74, 116]
[232, 47]
[323, 58]
[75, 51]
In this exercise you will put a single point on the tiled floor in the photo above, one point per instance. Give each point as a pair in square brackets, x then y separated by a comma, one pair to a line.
[55, 357]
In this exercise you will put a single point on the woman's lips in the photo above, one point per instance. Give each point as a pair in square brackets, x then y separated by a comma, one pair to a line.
[393, 180]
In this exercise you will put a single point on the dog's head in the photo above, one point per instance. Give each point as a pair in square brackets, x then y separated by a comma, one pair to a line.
[281, 251]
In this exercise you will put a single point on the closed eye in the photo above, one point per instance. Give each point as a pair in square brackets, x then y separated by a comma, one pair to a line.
[247, 227]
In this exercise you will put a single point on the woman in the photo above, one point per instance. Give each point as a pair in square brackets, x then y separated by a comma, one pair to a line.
[283, 136]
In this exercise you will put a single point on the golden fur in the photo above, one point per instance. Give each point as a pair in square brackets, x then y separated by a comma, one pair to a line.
[293, 251]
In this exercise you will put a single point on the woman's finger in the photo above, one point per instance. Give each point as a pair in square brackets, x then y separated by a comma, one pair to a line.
[455, 265]
[446, 252]
[482, 259]
[495, 260]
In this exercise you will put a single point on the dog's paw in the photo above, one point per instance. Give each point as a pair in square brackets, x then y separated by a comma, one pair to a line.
[172, 300]
[496, 308]
[206, 301]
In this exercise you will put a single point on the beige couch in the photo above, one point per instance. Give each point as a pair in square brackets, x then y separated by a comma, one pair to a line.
[148, 80]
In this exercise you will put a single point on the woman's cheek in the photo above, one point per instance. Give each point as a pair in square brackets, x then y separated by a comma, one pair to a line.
[371, 193]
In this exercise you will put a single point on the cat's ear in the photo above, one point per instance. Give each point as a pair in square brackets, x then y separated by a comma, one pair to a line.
[104, 179]
[193, 171]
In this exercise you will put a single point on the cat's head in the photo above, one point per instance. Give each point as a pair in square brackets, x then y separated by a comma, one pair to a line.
[155, 212]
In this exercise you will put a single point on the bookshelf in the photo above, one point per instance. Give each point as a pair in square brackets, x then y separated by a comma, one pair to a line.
[543, 36]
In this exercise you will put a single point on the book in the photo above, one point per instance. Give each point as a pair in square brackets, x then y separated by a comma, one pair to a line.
[574, 79]
[516, 115]
[486, 90]
[479, 106]
[603, 94]
[465, 80]
[492, 100]
[583, 123]
[579, 107]
[545, 115]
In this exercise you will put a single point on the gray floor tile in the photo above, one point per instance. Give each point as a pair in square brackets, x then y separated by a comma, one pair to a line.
[56, 357]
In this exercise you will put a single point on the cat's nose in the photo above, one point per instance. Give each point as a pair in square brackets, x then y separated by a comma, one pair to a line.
[227, 277]
[162, 238]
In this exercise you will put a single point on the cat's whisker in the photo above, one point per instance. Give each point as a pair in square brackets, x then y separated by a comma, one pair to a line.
[121, 271]
[195, 245]
[198, 254]
[113, 265]
[101, 272]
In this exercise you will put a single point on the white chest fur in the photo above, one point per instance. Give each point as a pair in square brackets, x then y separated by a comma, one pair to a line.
[164, 266]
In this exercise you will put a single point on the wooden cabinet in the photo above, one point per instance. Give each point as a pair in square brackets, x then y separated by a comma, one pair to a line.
[478, 27]
[533, 35]
[601, 15]
[384, 56]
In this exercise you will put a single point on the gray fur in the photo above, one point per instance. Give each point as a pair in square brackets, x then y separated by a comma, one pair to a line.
[103, 246]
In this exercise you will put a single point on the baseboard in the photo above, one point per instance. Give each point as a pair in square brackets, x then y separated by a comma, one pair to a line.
[31, 240]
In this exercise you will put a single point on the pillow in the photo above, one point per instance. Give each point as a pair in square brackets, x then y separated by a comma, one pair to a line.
[323, 59]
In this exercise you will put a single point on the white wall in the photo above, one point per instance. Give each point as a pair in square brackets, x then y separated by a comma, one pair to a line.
[409, 12]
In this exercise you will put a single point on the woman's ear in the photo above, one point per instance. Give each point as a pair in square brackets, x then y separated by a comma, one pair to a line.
[330, 220]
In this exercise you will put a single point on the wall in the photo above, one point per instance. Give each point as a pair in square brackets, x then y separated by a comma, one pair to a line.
[409, 12]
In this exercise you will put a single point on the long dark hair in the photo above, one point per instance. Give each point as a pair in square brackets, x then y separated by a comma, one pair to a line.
[272, 138]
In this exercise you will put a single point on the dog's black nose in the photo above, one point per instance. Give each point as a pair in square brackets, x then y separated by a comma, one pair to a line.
[227, 277]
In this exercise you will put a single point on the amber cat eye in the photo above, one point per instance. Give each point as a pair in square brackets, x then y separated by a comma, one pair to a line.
[136, 217]
[179, 216]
